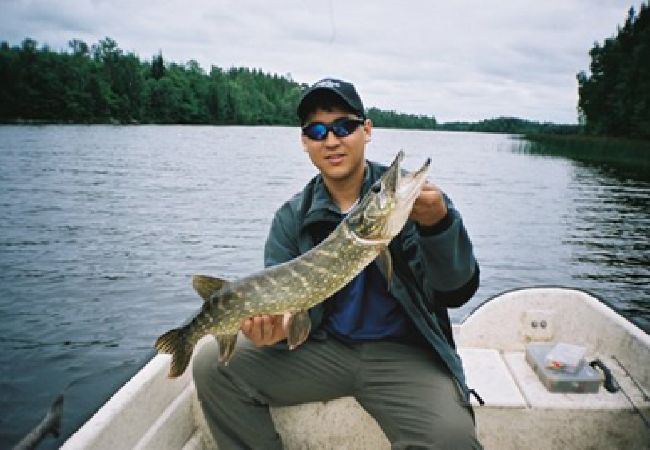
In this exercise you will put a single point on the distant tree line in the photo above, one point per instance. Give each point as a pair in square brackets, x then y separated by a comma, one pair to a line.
[615, 99]
[103, 84]
[392, 119]
[510, 125]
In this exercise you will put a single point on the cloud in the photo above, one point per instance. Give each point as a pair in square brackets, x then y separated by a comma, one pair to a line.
[461, 60]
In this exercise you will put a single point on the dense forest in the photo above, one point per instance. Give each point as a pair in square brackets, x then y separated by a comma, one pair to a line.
[103, 84]
[615, 99]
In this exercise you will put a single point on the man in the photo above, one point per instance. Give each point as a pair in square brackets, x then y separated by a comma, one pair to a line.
[389, 347]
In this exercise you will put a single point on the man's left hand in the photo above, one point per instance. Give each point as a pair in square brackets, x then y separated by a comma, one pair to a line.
[430, 206]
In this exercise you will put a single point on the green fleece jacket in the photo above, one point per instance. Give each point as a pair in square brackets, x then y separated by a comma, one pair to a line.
[434, 267]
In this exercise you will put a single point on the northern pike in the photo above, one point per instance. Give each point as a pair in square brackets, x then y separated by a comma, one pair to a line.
[301, 283]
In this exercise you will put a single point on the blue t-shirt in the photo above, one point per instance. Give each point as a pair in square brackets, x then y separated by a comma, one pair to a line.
[364, 310]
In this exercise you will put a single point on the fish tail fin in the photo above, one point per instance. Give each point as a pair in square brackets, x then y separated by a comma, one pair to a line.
[177, 343]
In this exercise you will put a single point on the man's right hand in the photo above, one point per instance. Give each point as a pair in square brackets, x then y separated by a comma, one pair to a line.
[265, 329]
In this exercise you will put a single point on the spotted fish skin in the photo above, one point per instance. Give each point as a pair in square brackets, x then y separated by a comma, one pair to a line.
[290, 287]
[299, 284]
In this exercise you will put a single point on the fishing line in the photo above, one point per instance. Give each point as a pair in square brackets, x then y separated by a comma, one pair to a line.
[332, 24]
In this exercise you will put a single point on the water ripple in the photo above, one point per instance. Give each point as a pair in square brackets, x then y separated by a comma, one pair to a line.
[102, 228]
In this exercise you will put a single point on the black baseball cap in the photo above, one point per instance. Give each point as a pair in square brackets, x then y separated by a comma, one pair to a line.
[344, 90]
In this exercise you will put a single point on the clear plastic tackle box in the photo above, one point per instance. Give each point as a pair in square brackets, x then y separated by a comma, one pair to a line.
[586, 379]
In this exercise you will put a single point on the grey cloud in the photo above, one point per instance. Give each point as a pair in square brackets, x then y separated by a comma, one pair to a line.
[465, 59]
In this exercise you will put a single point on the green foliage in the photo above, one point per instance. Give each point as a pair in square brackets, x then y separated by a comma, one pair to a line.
[392, 119]
[615, 98]
[103, 84]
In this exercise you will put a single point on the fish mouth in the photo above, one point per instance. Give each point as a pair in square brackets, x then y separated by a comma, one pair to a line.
[406, 185]
[409, 184]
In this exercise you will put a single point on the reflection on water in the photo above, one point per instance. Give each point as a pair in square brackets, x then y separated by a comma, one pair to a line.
[610, 238]
[102, 228]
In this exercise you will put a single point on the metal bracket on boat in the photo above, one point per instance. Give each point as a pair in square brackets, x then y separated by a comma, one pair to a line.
[610, 383]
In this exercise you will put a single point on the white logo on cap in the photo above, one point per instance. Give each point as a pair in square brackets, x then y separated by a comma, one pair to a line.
[328, 84]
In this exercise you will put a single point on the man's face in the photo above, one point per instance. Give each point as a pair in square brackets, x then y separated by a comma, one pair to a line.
[338, 158]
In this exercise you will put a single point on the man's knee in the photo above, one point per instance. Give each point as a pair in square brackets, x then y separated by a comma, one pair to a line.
[458, 432]
[446, 427]
[205, 366]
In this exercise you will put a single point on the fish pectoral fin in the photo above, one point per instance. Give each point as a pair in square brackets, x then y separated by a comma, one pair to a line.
[227, 344]
[206, 285]
[298, 329]
[385, 263]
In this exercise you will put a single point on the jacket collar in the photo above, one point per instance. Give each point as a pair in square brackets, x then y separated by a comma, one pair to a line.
[323, 209]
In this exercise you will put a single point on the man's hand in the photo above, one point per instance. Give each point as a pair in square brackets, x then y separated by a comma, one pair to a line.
[265, 329]
[430, 207]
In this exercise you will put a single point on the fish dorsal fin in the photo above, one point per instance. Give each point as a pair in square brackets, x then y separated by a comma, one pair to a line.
[205, 285]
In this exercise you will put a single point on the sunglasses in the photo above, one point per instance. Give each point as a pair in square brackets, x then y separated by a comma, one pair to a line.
[343, 127]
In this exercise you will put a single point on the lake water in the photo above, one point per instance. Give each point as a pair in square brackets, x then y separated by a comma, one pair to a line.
[101, 228]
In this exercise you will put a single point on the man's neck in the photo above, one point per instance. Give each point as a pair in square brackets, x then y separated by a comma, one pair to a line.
[345, 192]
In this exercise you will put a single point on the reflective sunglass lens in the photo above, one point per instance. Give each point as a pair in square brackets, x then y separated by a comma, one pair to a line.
[344, 128]
[316, 131]
[341, 128]
[347, 126]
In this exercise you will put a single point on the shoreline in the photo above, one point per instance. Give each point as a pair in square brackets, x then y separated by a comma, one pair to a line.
[630, 155]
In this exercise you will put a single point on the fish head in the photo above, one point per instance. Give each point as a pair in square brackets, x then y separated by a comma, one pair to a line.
[381, 214]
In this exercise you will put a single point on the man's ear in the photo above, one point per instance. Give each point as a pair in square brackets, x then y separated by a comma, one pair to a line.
[367, 129]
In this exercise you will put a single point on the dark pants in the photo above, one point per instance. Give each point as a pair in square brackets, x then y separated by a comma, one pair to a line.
[406, 389]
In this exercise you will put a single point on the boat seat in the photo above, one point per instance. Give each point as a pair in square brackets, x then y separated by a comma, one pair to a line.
[487, 373]
[342, 423]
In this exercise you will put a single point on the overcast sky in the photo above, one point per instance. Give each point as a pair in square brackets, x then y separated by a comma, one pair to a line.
[456, 60]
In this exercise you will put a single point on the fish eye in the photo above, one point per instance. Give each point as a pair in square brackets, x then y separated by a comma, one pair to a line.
[376, 188]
